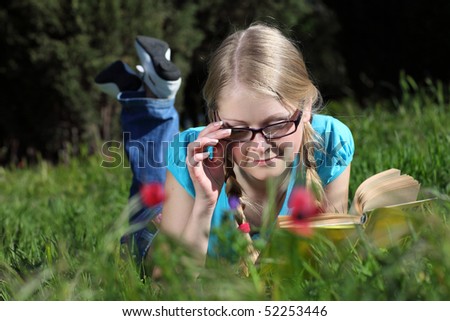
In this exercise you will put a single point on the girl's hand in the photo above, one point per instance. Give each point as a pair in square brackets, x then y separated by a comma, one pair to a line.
[207, 174]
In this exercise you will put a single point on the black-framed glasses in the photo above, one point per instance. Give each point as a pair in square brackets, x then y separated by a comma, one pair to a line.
[272, 131]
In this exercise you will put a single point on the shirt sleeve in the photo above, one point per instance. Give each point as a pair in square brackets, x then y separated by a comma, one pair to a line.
[337, 149]
[176, 158]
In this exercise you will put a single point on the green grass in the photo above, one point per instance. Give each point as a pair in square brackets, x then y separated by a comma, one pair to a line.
[60, 227]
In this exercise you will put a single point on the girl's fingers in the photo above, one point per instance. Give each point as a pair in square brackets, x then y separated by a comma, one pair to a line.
[214, 130]
[218, 152]
[196, 148]
[210, 128]
[210, 136]
[200, 143]
[221, 133]
[200, 157]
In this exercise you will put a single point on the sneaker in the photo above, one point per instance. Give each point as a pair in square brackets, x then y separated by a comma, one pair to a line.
[161, 76]
[116, 78]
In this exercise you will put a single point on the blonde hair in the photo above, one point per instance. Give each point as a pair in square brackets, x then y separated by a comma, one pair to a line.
[264, 60]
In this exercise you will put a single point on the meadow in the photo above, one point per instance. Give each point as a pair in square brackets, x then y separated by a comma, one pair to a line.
[61, 224]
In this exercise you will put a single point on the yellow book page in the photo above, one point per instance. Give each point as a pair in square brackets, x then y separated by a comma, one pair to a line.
[376, 179]
[391, 196]
[390, 184]
[329, 220]
[383, 183]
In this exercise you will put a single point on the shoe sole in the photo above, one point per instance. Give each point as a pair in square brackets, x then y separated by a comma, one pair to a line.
[157, 50]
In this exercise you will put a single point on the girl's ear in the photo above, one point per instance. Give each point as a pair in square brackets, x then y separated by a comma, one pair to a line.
[307, 110]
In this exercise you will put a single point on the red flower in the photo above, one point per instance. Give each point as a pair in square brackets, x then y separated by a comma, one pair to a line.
[303, 204]
[244, 227]
[152, 194]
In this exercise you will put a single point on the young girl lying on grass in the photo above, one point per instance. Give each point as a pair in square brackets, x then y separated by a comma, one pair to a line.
[263, 127]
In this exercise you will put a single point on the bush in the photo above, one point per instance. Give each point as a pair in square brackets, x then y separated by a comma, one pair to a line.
[53, 50]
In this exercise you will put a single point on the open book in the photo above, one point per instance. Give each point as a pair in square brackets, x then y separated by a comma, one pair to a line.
[386, 193]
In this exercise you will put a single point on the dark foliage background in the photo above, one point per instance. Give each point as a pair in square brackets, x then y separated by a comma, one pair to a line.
[51, 51]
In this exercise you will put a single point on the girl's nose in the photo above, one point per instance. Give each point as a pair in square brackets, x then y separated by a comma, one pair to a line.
[259, 144]
[259, 137]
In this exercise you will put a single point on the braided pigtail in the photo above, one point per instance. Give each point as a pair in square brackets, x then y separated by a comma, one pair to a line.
[310, 142]
[234, 189]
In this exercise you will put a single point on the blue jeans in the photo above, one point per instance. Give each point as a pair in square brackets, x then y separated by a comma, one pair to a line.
[148, 126]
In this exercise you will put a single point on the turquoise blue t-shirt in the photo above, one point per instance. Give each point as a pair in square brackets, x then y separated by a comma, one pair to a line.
[331, 160]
